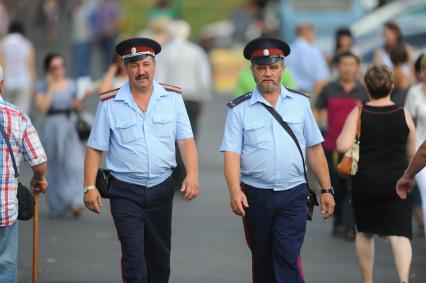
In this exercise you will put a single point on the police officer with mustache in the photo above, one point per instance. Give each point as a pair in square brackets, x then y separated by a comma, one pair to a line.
[137, 126]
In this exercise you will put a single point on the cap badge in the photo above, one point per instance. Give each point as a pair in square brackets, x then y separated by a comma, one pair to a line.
[265, 52]
[133, 50]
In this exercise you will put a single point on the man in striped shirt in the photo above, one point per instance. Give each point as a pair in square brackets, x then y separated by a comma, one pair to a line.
[25, 144]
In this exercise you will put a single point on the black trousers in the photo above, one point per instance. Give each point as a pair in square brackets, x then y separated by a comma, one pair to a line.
[142, 217]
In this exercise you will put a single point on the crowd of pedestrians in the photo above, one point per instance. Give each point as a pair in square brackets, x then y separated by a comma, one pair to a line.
[391, 93]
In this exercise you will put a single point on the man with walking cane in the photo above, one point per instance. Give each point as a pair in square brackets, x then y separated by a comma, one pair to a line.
[25, 143]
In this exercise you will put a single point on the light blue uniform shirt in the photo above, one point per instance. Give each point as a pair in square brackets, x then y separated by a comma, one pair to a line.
[307, 64]
[140, 146]
[268, 155]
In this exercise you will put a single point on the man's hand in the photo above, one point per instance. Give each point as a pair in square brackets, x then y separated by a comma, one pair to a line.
[93, 201]
[327, 205]
[190, 187]
[38, 185]
[404, 186]
[239, 202]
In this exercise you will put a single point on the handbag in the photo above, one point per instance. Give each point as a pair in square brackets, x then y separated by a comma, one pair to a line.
[83, 126]
[103, 181]
[312, 196]
[26, 203]
[348, 166]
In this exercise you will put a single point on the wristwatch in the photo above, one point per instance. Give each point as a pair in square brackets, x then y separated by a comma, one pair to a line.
[329, 190]
[88, 188]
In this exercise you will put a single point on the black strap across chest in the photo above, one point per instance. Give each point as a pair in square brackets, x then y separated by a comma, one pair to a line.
[9, 148]
[287, 128]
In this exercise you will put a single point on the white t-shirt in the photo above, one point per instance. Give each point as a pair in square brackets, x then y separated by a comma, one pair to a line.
[186, 65]
[415, 104]
[16, 49]
[81, 29]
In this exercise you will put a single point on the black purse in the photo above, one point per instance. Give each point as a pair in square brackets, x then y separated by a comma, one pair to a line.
[26, 203]
[103, 181]
[312, 196]
[83, 127]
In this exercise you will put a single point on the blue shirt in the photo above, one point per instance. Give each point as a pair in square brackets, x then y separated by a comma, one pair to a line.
[140, 146]
[269, 158]
[307, 64]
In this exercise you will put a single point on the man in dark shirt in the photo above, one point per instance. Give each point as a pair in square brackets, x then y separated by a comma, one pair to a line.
[335, 102]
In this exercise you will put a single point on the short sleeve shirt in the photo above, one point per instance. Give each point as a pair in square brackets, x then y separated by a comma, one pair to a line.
[415, 104]
[338, 103]
[307, 64]
[140, 146]
[269, 157]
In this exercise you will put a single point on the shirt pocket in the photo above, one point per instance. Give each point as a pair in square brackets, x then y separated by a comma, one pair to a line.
[296, 125]
[128, 131]
[164, 126]
[255, 133]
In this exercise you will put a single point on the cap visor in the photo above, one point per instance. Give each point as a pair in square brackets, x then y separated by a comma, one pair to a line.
[266, 60]
[136, 58]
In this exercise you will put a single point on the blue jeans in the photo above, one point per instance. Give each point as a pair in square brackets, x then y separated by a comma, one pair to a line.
[9, 253]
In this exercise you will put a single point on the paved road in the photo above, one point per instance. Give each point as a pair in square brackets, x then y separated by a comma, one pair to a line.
[208, 243]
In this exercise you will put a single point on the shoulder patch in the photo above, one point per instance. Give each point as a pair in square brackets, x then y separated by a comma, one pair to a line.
[234, 102]
[103, 96]
[171, 88]
[298, 92]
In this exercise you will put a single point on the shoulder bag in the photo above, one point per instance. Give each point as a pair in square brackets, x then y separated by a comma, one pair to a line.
[312, 197]
[348, 166]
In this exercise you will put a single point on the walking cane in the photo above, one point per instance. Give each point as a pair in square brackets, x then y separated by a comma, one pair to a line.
[35, 238]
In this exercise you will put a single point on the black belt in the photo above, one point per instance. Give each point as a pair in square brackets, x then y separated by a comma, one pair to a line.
[59, 112]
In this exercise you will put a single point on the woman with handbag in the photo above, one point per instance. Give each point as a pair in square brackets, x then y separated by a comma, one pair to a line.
[387, 142]
[56, 96]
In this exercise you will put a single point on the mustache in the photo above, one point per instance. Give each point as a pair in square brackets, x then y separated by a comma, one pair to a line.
[141, 77]
[267, 80]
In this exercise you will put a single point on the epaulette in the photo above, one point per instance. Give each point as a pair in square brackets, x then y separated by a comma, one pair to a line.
[234, 102]
[298, 92]
[108, 94]
[171, 88]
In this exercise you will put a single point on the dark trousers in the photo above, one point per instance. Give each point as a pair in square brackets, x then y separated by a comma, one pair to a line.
[343, 212]
[275, 226]
[142, 217]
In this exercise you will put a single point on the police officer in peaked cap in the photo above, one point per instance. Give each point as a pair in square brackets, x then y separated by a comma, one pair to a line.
[264, 168]
[136, 126]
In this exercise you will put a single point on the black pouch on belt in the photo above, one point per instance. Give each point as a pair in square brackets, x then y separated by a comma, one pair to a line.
[103, 181]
